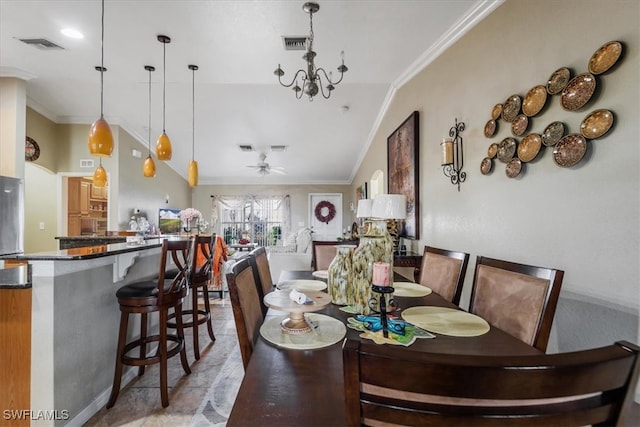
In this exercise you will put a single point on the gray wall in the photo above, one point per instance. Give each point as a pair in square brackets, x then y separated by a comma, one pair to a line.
[583, 219]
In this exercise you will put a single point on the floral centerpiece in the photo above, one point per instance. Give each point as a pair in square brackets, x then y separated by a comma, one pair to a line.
[190, 217]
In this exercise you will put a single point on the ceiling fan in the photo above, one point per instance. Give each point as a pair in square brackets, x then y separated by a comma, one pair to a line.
[263, 168]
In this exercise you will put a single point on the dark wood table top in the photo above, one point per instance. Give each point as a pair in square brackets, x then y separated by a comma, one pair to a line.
[284, 387]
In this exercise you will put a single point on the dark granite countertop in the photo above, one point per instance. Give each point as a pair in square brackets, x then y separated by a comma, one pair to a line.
[89, 252]
[16, 277]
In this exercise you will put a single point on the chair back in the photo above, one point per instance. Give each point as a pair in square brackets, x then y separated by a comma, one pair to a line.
[323, 252]
[201, 265]
[517, 298]
[387, 385]
[180, 252]
[246, 305]
[260, 263]
[443, 271]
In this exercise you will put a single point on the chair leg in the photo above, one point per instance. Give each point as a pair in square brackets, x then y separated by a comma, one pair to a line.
[162, 350]
[117, 376]
[143, 346]
[194, 323]
[180, 333]
[207, 308]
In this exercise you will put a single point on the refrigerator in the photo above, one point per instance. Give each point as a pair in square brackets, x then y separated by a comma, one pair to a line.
[11, 215]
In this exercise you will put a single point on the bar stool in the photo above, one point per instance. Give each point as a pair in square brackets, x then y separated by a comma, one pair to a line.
[143, 298]
[200, 279]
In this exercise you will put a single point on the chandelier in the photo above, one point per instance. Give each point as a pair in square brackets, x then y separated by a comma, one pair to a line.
[312, 80]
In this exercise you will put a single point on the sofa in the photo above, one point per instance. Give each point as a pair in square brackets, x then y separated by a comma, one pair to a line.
[293, 253]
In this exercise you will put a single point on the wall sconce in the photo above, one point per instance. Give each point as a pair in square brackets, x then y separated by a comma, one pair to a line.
[452, 157]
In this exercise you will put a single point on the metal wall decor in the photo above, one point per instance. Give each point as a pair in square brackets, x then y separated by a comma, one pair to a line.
[574, 93]
[452, 155]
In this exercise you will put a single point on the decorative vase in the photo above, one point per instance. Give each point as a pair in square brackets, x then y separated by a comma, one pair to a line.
[375, 246]
[340, 276]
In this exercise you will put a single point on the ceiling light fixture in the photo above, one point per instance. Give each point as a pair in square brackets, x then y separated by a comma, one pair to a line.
[312, 82]
[193, 165]
[100, 137]
[163, 145]
[100, 176]
[149, 166]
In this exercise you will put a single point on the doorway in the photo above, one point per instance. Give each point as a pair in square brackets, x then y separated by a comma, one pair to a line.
[325, 215]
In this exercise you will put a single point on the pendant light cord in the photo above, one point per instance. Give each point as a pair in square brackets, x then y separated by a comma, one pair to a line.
[193, 113]
[149, 138]
[164, 84]
[102, 64]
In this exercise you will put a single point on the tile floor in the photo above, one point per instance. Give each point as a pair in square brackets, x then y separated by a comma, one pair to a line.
[139, 403]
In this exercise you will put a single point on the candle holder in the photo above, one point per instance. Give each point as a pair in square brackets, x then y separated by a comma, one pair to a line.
[452, 156]
[382, 312]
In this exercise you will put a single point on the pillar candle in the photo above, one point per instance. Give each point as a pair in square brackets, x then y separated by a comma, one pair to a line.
[381, 273]
[447, 151]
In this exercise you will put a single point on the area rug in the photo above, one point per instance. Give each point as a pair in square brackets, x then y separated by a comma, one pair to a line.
[216, 406]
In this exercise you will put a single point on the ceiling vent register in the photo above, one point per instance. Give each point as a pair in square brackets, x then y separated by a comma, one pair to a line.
[43, 44]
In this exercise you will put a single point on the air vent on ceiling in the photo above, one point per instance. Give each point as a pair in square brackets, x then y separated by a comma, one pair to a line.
[278, 148]
[294, 42]
[43, 44]
[246, 148]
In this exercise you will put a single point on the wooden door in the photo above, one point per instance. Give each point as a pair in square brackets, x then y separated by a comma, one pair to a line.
[325, 215]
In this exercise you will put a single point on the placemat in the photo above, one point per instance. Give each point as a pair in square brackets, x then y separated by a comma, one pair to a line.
[410, 289]
[446, 321]
[302, 285]
[321, 274]
[328, 331]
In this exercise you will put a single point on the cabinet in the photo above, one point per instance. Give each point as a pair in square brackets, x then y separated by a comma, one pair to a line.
[85, 201]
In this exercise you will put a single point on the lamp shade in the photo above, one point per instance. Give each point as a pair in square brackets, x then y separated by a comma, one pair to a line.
[364, 208]
[389, 206]
[163, 147]
[100, 177]
[193, 173]
[149, 167]
[100, 139]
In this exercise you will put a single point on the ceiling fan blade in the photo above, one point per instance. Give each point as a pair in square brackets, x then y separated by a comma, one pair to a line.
[278, 171]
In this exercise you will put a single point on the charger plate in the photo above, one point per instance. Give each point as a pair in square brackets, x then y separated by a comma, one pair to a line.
[410, 289]
[446, 321]
[321, 274]
[328, 332]
[302, 285]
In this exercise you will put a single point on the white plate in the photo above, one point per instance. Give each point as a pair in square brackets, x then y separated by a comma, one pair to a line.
[302, 285]
[321, 274]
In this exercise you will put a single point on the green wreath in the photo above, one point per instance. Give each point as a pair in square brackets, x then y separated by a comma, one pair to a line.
[329, 216]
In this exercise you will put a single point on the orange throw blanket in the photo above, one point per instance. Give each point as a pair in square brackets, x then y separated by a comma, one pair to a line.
[219, 257]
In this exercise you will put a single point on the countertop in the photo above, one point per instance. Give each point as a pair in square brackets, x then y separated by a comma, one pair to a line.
[15, 277]
[89, 252]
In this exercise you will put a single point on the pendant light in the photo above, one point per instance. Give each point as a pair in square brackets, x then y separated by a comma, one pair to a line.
[100, 137]
[163, 145]
[100, 177]
[193, 165]
[149, 167]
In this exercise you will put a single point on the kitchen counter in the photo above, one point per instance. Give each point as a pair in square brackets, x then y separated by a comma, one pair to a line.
[93, 249]
[68, 242]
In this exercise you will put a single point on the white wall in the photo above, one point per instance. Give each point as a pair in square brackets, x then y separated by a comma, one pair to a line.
[583, 220]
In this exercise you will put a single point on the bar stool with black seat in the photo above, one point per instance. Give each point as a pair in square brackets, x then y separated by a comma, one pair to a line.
[160, 296]
[199, 283]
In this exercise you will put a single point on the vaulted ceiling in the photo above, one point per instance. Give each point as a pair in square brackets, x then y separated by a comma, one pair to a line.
[238, 101]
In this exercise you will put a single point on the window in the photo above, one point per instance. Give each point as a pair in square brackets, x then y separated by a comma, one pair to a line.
[254, 219]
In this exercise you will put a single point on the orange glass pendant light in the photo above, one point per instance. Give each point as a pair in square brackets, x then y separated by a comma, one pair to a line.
[100, 177]
[149, 166]
[163, 145]
[100, 141]
[193, 165]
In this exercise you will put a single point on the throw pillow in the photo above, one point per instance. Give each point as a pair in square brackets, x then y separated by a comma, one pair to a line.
[304, 240]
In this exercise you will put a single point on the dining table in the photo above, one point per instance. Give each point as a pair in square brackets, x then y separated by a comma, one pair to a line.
[294, 387]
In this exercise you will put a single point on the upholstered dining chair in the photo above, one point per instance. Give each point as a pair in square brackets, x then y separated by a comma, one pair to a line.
[200, 278]
[246, 305]
[160, 296]
[443, 271]
[260, 263]
[387, 385]
[520, 299]
[323, 252]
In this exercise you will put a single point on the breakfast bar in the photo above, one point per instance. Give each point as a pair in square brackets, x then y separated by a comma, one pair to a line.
[74, 324]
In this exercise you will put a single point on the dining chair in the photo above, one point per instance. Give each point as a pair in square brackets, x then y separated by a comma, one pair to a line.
[158, 295]
[387, 385]
[323, 252]
[260, 264]
[520, 299]
[246, 305]
[443, 271]
[200, 278]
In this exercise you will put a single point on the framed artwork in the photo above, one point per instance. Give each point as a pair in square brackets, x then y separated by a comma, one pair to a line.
[169, 221]
[402, 171]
